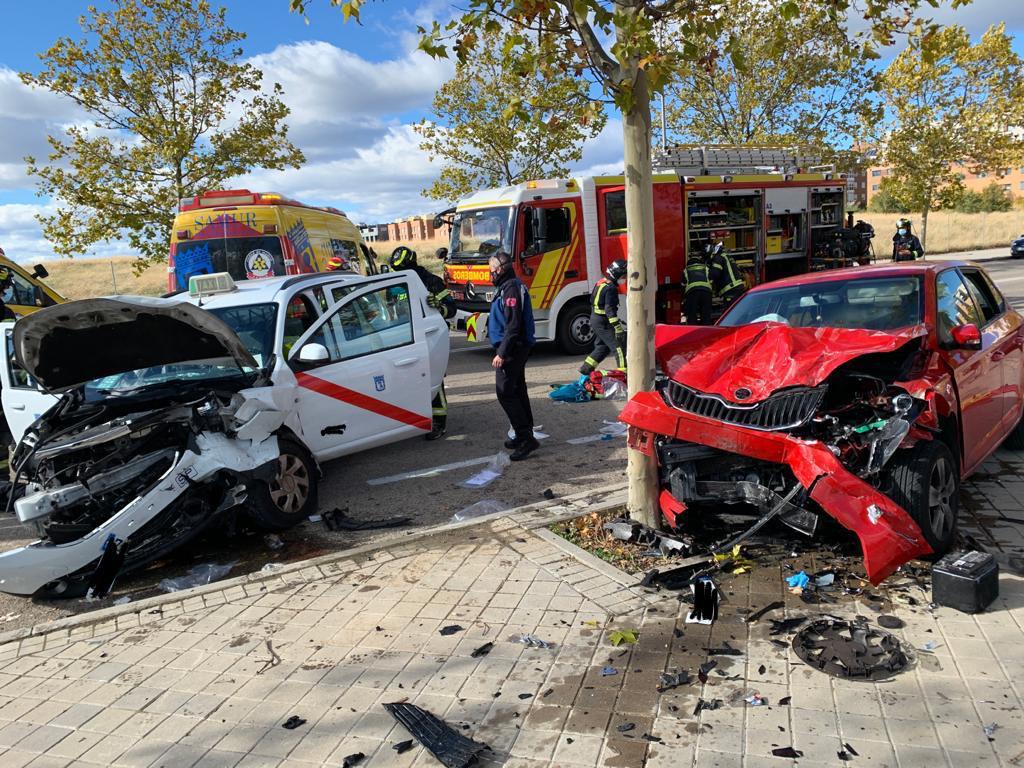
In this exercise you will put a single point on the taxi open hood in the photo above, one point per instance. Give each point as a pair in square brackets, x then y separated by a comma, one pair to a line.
[69, 344]
[765, 357]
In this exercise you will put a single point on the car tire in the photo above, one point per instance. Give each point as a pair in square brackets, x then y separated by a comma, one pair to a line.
[292, 496]
[1015, 440]
[574, 335]
[925, 481]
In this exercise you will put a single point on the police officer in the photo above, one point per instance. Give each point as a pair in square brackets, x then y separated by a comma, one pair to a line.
[726, 278]
[438, 297]
[697, 291]
[608, 329]
[905, 244]
[511, 330]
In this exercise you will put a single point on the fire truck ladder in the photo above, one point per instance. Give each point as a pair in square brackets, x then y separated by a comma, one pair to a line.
[724, 160]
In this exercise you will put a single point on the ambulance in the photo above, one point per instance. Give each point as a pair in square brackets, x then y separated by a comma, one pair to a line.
[251, 235]
[24, 292]
[775, 211]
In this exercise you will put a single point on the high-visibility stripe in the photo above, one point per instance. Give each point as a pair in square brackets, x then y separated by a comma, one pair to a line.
[365, 402]
[558, 279]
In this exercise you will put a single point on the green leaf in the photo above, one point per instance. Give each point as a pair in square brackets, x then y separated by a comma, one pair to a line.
[620, 636]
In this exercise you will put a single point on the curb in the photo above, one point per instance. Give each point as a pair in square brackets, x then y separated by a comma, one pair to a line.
[534, 517]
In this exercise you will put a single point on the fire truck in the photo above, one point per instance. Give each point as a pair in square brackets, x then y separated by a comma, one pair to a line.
[775, 211]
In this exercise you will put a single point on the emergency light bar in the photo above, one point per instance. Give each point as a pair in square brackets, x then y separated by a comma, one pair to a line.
[210, 285]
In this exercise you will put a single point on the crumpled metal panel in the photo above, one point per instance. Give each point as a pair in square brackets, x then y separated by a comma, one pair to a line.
[764, 358]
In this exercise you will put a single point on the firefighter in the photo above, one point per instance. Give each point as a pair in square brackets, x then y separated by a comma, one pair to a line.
[6, 293]
[697, 291]
[609, 331]
[511, 330]
[334, 264]
[905, 244]
[726, 278]
[438, 297]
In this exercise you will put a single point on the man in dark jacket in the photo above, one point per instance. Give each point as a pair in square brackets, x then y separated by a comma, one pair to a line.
[905, 244]
[609, 332]
[438, 297]
[726, 278]
[511, 331]
[697, 291]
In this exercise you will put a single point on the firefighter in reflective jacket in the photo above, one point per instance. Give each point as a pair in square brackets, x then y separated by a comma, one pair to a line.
[726, 279]
[438, 297]
[609, 332]
[905, 244]
[697, 291]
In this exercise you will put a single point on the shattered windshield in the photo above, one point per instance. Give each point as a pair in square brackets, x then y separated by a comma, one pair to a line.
[173, 376]
[478, 234]
[255, 325]
[877, 303]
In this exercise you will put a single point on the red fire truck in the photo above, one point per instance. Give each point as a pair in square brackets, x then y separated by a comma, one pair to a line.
[774, 211]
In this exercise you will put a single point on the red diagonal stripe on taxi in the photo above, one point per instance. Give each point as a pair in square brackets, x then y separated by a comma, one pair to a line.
[359, 400]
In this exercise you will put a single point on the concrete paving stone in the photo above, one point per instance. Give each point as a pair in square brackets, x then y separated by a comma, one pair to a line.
[711, 759]
[576, 749]
[13, 758]
[110, 748]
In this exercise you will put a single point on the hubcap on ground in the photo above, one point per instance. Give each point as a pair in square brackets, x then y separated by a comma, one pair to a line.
[581, 330]
[290, 488]
[941, 498]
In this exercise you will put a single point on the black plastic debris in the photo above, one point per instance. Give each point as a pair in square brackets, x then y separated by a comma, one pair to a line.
[402, 746]
[293, 722]
[702, 673]
[890, 622]
[787, 752]
[762, 611]
[784, 701]
[706, 705]
[966, 581]
[843, 755]
[353, 760]
[670, 680]
[108, 567]
[677, 632]
[547, 693]
[451, 748]
[655, 739]
[724, 650]
[851, 750]
[625, 727]
[338, 520]
[785, 626]
[451, 629]
[549, 494]
[762, 669]
[483, 650]
[649, 578]
[854, 651]
[525, 696]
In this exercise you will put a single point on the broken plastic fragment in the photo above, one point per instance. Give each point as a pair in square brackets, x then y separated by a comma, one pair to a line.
[293, 722]
[483, 650]
[109, 566]
[451, 748]
[613, 429]
[609, 671]
[709, 705]
[767, 609]
[402, 746]
[787, 752]
[798, 580]
[488, 474]
[825, 580]
[931, 645]
[990, 730]
[198, 576]
[451, 629]
[755, 700]
[534, 642]
[669, 680]
[479, 509]
[625, 727]
[874, 513]
[350, 761]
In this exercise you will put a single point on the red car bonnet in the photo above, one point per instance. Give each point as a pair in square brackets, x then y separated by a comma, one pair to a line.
[765, 357]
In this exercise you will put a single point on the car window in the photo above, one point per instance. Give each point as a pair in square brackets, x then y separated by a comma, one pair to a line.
[954, 305]
[299, 317]
[19, 376]
[995, 291]
[615, 212]
[558, 227]
[373, 322]
[22, 292]
[981, 293]
[255, 324]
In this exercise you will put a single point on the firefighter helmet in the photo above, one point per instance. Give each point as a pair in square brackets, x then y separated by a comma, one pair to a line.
[335, 263]
[616, 270]
[403, 257]
[441, 253]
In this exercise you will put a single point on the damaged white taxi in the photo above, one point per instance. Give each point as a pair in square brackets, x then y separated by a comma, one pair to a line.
[142, 422]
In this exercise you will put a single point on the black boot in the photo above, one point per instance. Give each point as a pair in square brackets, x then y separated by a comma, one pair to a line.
[525, 448]
[438, 429]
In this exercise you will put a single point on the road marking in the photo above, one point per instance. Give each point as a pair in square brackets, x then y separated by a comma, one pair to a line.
[430, 471]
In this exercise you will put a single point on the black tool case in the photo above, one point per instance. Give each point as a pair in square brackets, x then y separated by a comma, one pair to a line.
[967, 581]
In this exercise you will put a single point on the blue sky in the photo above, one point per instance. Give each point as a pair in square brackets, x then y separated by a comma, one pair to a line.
[354, 92]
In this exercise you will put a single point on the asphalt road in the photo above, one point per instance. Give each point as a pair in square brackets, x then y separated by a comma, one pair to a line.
[364, 484]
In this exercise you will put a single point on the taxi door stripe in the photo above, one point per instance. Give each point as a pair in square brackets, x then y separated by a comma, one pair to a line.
[359, 400]
[558, 278]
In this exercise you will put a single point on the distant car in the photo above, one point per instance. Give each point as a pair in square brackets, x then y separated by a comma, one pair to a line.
[1017, 248]
[865, 393]
[161, 417]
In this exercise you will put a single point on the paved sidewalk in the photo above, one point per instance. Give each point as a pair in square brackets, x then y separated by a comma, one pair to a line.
[209, 678]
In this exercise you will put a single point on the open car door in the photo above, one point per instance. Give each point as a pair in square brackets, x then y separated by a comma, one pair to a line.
[363, 370]
[23, 400]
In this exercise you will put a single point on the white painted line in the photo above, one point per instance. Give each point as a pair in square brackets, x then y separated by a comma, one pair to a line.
[430, 471]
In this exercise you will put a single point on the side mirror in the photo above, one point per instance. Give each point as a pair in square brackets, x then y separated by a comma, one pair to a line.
[384, 268]
[313, 353]
[39, 271]
[966, 336]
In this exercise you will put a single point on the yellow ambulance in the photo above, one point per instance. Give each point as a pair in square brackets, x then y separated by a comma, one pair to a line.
[24, 292]
[260, 234]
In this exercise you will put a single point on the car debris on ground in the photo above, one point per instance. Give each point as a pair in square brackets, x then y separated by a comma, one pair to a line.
[450, 747]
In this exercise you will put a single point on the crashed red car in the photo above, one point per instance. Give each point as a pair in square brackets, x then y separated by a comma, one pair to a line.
[867, 394]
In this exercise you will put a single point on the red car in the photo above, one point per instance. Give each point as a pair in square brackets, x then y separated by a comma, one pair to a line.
[867, 394]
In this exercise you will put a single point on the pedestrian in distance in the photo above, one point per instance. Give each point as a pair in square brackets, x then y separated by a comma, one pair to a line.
[511, 331]
[697, 290]
[609, 331]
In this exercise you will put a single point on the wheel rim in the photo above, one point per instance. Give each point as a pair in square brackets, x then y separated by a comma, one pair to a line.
[290, 489]
[942, 499]
[580, 329]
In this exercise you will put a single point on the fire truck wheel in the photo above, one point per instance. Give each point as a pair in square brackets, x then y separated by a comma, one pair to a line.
[575, 336]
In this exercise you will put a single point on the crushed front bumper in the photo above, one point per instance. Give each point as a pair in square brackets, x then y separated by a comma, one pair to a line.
[889, 536]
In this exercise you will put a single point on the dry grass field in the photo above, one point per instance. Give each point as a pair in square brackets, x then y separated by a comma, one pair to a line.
[949, 231]
[82, 278]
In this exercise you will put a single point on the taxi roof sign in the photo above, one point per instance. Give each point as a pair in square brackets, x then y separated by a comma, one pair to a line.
[210, 285]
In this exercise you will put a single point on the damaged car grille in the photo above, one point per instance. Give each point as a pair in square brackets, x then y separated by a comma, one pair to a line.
[786, 409]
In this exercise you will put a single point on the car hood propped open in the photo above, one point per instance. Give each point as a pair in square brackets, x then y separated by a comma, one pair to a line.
[69, 344]
[765, 357]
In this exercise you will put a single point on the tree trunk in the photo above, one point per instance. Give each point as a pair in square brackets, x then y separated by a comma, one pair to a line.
[924, 228]
[642, 282]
